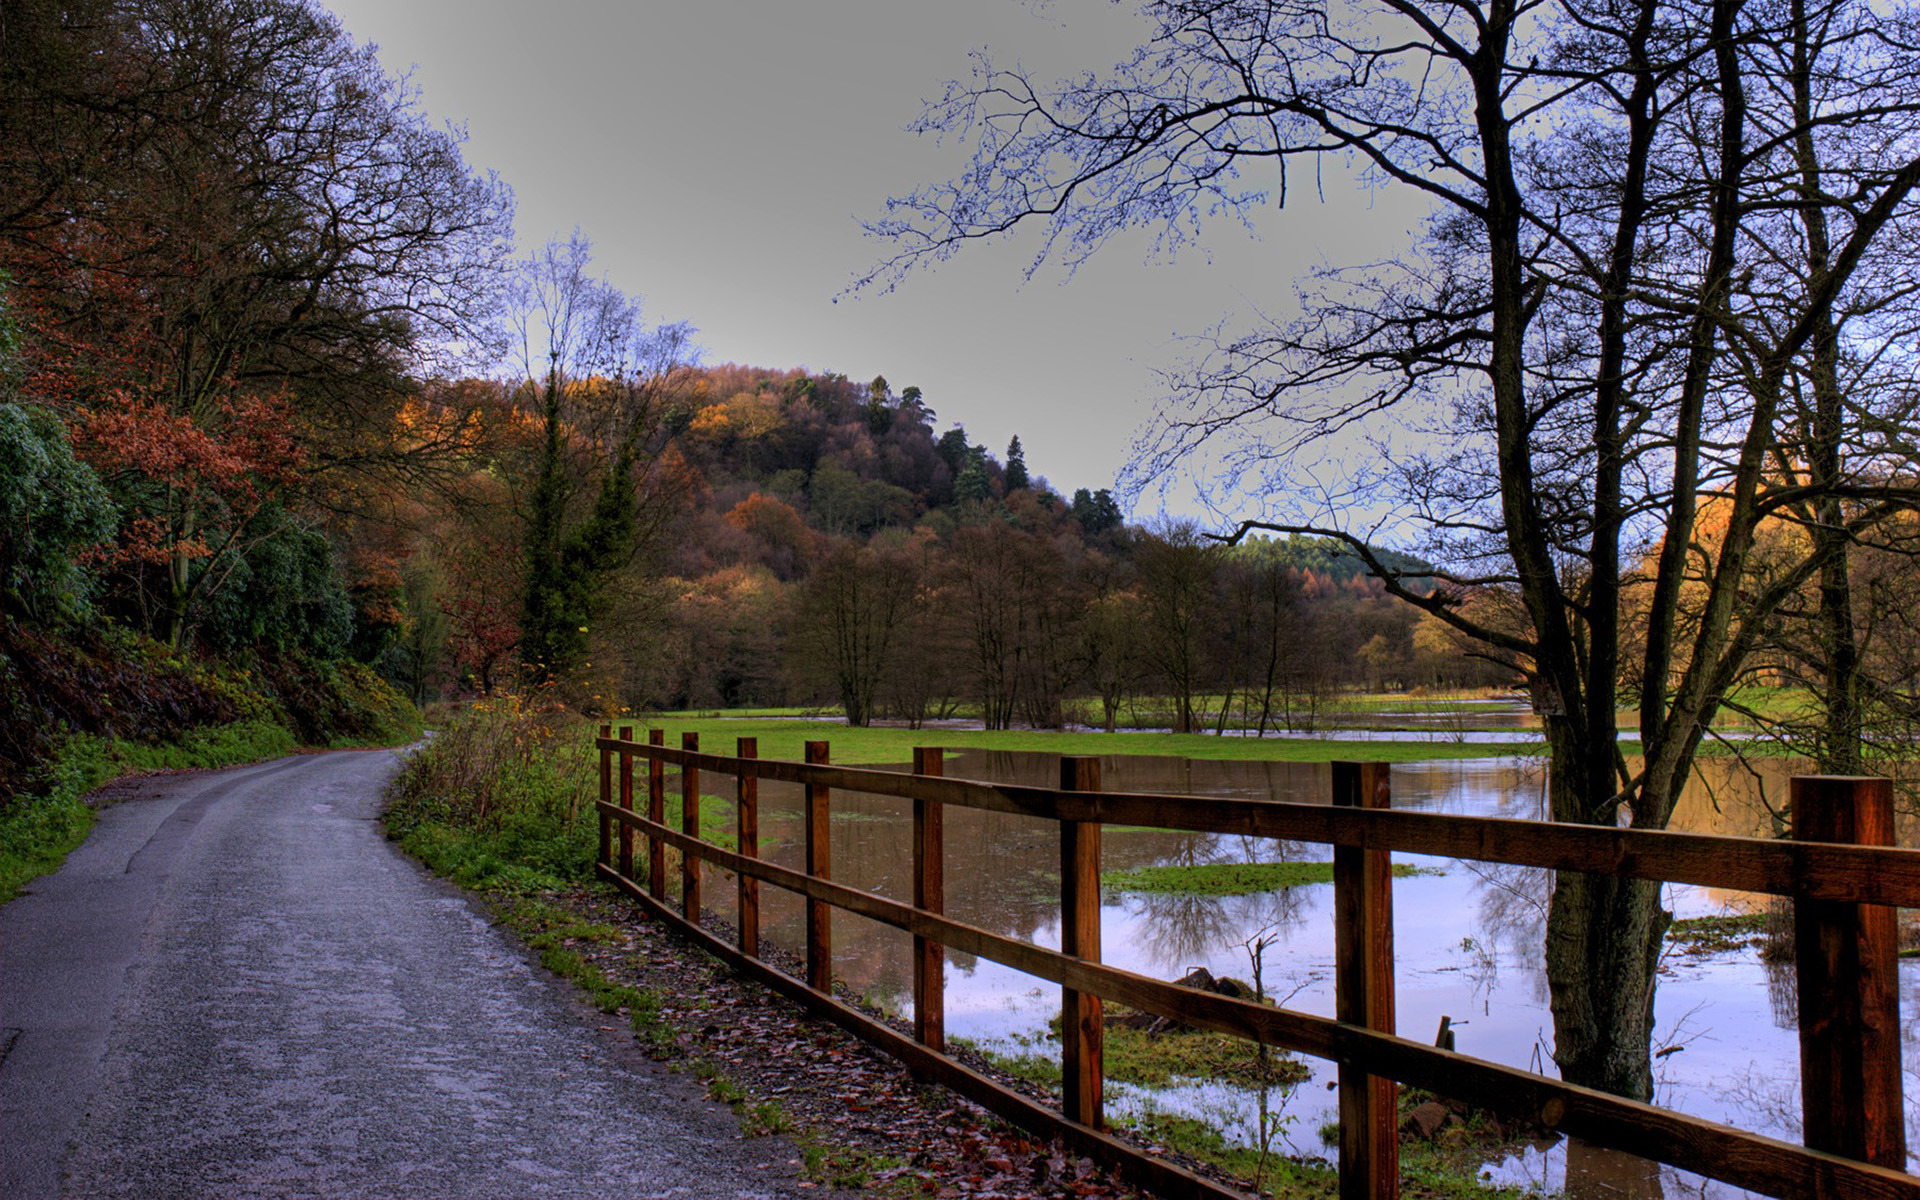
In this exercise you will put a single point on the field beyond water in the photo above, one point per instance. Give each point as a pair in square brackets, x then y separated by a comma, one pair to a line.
[785, 738]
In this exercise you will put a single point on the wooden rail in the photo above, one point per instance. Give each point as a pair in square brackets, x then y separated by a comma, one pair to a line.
[1844, 896]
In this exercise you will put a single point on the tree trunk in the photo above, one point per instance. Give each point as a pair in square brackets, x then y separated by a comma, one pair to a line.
[1603, 947]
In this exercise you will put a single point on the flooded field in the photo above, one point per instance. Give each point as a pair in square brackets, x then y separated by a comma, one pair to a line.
[1467, 941]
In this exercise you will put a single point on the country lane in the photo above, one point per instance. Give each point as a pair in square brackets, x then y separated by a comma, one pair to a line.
[238, 987]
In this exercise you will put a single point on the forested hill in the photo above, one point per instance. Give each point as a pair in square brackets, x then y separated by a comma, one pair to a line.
[819, 540]
[850, 460]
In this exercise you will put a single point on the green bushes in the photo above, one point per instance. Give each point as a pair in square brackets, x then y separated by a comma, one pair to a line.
[79, 710]
[284, 594]
[38, 831]
[501, 798]
[52, 509]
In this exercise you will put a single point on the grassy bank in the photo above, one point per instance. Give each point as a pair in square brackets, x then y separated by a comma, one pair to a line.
[349, 706]
[1232, 879]
[501, 800]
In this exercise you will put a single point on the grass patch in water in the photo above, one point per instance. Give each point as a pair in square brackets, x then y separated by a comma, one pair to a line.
[1422, 1176]
[1157, 1059]
[1279, 1175]
[1233, 879]
[1712, 935]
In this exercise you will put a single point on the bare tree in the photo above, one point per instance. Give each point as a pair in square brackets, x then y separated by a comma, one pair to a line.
[852, 613]
[1607, 181]
[599, 384]
[1178, 568]
[1008, 590]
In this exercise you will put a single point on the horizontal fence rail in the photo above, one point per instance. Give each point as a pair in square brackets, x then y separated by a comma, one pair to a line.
[1844, 893]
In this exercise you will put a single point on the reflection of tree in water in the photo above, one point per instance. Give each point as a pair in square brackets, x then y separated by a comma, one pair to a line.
[1783, 995]
[1513, 912]
[1180, 929]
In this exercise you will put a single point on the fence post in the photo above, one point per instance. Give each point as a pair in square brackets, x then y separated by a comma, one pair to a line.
[1363, 991]
[819, 865]
[690, 825]
[606, 797]
[626, 803]
[929, 895]
[747, 791]
[1082, 1025]
[657, 813]
[1846, 964]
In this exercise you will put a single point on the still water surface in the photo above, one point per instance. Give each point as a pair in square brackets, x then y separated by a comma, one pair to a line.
[1467, 944]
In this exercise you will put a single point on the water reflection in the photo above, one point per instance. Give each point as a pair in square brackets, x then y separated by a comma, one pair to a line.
[1467, 941]
[1180, 931]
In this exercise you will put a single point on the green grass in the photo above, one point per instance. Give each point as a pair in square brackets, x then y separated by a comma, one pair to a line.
[719, 820]
[1232, 879]
[765, 1119]
[1423, 1175]
[850, 745]
[38, 832]
[1710, 935]
[1282, 1176]
[554, 932]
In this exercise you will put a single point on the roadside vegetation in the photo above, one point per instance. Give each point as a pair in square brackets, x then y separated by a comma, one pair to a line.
[136, 704]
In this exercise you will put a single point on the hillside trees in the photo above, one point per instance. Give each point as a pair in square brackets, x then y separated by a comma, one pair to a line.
[232, 239]
[1602, 324]
[1178, 570]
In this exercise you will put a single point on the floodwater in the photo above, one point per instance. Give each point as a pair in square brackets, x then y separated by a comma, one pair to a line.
[1467, 946]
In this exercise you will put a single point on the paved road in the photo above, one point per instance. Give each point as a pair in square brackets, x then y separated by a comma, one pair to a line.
[238, 988]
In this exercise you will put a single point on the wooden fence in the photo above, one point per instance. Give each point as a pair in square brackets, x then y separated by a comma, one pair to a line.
[1844, 874]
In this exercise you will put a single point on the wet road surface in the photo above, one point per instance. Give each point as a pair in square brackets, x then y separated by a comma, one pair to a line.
[237, 987]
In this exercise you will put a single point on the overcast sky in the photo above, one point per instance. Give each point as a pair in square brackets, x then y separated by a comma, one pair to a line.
[720, 155]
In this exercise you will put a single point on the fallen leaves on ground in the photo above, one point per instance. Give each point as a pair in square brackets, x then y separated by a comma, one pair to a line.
[826, 1081]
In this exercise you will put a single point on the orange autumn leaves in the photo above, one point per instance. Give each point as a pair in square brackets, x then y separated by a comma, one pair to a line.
[232, 464]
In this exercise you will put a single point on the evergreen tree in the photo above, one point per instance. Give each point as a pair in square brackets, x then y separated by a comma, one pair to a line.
[1097, 512]
[954, 449]
[879, 414]
[1016, 466]
[974, 485]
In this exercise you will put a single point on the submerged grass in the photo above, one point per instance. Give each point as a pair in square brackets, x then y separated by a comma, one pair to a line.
[1232, 879]
[1137, 1056]
[1423, 1174]
[1712, 935]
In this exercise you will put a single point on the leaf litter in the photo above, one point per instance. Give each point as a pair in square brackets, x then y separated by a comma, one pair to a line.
[841, 1094]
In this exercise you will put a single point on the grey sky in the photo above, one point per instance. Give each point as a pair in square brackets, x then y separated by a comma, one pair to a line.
[720, 155]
